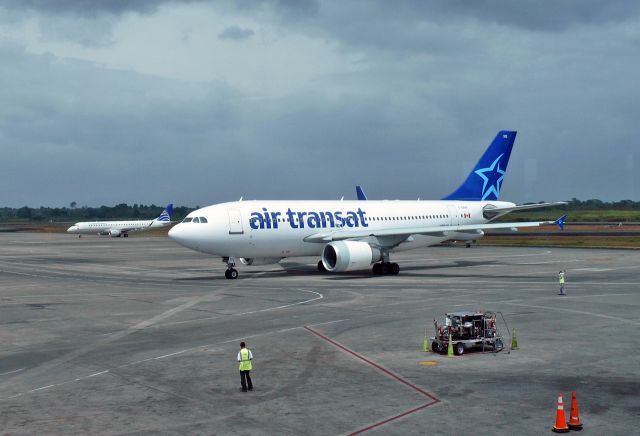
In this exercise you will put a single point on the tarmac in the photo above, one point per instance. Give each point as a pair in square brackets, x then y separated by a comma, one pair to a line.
[137, 336]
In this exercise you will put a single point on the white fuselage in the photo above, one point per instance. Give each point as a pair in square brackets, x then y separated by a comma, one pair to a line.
[277, 229]
[114, 227]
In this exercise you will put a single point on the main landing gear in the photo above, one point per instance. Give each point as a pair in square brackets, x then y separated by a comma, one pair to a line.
[385, 268]
[321, 267]
[231, 273]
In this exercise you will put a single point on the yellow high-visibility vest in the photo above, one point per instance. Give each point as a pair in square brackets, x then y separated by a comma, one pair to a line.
[245, 362]
[562, 280]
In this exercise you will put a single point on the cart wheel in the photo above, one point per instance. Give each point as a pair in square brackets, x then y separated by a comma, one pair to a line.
[459, 348]
[499, 345]
[435, 347]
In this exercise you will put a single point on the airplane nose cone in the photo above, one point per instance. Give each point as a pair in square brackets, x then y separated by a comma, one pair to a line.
[175, 233]
[72, 229]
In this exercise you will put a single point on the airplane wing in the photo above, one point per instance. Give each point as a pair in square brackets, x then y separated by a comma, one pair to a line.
[504, 210]
[342, 234]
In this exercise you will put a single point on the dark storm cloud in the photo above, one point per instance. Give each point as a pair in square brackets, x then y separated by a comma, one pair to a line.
[69, 126]
[90, 8]
[545, 16]
[381, 14]
[427, 89]
[235, 33]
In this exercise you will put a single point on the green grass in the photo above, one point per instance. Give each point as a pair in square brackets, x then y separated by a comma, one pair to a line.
[564, 241]
[609, 215]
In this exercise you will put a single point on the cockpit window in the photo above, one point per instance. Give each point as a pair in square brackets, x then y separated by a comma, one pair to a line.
[187, 220]
[196, 220]
[203, 220]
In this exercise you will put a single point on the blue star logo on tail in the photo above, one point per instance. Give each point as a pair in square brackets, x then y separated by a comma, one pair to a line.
[492, 177]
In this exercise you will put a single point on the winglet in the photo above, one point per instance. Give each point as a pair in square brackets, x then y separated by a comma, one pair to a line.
[560, 222]
[360, 193]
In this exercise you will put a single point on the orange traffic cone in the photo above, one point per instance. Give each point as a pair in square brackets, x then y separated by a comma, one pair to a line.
[574, 418]
[561, 421]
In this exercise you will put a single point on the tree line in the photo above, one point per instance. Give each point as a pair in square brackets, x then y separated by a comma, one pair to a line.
[595, 204]
[84, 213]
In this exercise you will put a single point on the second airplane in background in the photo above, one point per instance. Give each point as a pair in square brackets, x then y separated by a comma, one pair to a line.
[121, 228]
[354, 235]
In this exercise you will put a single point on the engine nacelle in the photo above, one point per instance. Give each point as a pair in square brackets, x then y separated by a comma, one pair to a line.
[114, 233]
[349, 256]
[260, 260]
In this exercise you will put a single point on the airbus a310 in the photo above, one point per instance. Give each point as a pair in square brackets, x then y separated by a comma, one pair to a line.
[355, 235]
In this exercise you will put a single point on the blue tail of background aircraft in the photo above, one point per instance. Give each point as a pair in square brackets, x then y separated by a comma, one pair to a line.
[166, 213]
[485, 181]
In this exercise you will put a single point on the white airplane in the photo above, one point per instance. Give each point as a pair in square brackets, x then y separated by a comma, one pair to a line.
[355, 235]
[121, 228]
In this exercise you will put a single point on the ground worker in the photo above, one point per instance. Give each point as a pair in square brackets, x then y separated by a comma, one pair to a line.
[245, 356]
[561, 275]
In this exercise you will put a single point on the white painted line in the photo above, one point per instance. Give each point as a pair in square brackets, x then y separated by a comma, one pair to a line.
[11, 372]
[209, 318]
[479, 256]
[39, 389]
[580, 312]
[171, 354]
[327, 322]
[199, 347]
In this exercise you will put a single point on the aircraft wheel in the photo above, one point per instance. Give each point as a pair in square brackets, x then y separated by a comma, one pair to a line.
[394, 269]
[377, 269]
[321, 267]
[233, 273]
[384, 268]
[126, 235]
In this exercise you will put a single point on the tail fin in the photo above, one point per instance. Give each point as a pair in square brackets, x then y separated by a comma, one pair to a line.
[360, 193]
[485, 181]
[165, 216]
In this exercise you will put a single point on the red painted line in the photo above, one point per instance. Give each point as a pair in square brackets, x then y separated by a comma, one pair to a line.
[433, 398]
[393, 418]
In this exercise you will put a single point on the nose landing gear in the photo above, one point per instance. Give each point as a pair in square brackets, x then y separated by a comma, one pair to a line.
[231, 273]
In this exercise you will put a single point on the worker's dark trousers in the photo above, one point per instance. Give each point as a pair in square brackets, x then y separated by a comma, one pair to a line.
[245, 379]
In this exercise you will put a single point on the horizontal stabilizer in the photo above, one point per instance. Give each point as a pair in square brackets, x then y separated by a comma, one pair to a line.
[560, 221]
[503, 210]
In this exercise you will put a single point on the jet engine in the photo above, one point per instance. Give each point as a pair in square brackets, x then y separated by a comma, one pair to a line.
[114, 233]
[349, 256]
[260, 260]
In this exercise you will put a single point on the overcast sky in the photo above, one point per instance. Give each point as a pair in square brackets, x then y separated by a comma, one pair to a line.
[198, 102]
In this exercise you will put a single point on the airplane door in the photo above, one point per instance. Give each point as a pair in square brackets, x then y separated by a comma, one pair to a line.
[454, 216]
[235, 222]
